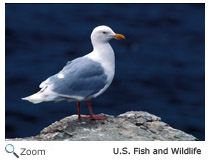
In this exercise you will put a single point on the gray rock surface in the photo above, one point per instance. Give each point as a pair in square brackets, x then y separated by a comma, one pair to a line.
[130, 126]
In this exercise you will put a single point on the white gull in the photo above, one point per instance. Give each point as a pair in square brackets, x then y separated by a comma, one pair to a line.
[83, 78]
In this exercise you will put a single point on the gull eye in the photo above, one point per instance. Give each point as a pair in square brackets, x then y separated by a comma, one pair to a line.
[104, 32]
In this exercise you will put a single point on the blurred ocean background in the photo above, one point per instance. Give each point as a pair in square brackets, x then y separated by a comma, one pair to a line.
[159, 67]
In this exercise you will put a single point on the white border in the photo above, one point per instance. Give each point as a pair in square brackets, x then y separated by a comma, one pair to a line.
[93, 150]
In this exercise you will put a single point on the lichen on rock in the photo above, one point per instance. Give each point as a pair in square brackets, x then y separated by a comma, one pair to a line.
[129, 126]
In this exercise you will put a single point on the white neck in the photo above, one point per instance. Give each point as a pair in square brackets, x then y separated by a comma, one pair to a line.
[104, 54]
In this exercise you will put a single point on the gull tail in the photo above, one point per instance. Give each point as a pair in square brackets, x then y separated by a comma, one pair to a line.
[35, 98]
[44, 95]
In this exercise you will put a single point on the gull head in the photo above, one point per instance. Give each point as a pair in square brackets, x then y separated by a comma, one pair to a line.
[102, 34]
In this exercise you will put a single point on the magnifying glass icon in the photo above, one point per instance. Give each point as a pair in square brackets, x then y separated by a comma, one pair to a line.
[9, 148]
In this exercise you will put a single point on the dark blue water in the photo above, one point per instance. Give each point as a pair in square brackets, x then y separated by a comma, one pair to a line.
[159, 67]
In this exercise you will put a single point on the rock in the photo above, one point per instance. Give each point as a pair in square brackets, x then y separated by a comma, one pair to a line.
[133, 125]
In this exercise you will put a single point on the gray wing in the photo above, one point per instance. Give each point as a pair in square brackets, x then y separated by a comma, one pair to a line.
[82, 77]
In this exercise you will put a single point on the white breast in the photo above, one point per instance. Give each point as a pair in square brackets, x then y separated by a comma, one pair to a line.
[105, 56]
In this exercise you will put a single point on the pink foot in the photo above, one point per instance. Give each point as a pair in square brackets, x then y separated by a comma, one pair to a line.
[94, 117]
[83, 116]
[98, 117]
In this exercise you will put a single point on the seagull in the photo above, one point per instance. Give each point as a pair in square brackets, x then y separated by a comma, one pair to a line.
[85, 77]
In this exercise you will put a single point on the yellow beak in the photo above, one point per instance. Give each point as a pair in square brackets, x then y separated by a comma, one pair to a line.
[119, 36]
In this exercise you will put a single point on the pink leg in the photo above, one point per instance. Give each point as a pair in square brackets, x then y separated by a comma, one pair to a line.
[90, 109]
[94, 117]
[78, 108]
